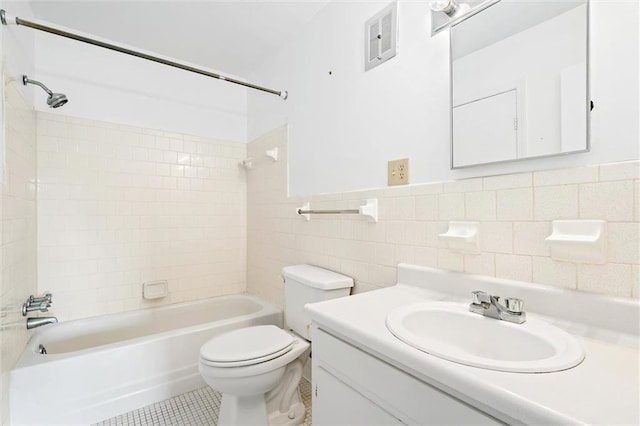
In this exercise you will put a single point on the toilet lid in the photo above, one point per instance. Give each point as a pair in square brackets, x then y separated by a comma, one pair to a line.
[246, 346]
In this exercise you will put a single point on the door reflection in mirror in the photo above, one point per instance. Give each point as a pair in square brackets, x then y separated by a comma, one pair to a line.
[519, 82]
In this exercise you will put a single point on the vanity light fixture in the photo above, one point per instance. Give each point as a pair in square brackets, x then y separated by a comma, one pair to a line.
[449, 7]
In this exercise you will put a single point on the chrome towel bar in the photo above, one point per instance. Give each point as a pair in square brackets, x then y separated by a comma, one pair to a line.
[349, 211]
[369, 210]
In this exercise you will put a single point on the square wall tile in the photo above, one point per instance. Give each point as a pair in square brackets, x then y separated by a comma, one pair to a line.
[556, 202]
[426, 207]
[480, 205]
[551, 272]
[450, 260]
[566, 176]
[518, 180]
[451, 206]
[612, 279]
[480, 264]
[515, 204]
[625, 170]
[623, 243]
[612, 201]
[496, 237]
[514, 267]
[529, 238]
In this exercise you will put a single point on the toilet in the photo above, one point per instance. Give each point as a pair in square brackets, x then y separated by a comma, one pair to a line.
[257, 369]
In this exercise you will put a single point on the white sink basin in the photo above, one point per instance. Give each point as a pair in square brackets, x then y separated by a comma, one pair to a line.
[450, 331]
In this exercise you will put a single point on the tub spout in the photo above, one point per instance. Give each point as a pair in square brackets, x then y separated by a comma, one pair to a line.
[37, 322]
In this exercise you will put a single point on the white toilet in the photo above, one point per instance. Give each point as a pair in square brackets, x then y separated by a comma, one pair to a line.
[258, 369]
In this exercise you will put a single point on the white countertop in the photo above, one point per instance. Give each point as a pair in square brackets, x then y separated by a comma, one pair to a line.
[603, 389]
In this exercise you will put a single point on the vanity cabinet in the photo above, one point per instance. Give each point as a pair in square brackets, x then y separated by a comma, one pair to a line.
[353, 387]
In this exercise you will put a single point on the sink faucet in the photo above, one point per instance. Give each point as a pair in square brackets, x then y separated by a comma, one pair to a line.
[40, 321]
[490, 306]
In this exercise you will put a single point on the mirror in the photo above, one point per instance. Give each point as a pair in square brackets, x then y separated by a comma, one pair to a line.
[519, 81]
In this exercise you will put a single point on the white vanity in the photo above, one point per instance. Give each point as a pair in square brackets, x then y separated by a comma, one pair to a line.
[363, 374]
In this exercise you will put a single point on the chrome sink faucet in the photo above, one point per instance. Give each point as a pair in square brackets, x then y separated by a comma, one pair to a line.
[490, 306]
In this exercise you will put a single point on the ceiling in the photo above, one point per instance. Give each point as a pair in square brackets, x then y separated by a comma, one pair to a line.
[231, 37]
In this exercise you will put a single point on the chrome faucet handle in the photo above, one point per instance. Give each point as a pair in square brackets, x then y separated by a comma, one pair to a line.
[29, 307]
[48, 297]
[514, 305]
[480, 297]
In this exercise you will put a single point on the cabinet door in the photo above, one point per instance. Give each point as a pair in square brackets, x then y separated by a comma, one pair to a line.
[485, 130]
[336, 403]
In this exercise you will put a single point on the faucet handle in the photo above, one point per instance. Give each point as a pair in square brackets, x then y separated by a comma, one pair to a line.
[48, 297]
[480, 297]
[514, 305]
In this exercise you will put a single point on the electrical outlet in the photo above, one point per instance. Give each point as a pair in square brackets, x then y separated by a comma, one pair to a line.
[398, 172]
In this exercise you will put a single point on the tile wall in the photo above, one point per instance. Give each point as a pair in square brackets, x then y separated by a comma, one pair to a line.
[18, 218]
[515, 212]
[119, 206]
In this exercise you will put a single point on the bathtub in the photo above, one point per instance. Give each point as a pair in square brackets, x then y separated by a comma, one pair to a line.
[100, 367]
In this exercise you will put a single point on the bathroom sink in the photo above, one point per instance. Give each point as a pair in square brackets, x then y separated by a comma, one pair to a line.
[450, 331]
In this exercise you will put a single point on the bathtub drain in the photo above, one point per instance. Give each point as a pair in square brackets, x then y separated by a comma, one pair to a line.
[42, 350]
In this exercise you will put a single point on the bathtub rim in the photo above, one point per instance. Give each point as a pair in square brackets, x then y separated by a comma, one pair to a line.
[30, 355]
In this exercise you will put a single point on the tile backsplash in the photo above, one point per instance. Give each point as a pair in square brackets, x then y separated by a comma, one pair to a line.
[119, 206]
[515, 213]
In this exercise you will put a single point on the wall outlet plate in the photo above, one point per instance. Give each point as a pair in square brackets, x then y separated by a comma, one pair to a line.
[398, 172]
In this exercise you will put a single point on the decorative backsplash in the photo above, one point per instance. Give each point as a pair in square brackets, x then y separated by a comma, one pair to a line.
[514, 213]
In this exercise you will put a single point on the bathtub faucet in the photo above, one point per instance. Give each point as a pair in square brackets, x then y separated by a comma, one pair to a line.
[41, 304]
[37, 322]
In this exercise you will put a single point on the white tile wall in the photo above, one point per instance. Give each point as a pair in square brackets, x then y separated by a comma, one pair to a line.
[515, 212]
[18, 218]
[119, 206]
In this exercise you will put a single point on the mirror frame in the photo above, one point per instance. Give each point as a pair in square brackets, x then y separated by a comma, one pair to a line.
[588, 104]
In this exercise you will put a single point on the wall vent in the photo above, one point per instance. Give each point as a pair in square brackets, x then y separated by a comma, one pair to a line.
[381, 37]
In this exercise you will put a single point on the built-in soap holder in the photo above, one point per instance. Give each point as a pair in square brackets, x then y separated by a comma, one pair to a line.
[580, 241]
[462, 237]
[155, 289]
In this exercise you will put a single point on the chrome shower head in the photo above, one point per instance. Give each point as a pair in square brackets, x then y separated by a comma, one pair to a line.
[54, 100]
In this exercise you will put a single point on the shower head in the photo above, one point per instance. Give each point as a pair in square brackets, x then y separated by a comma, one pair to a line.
[54, 100]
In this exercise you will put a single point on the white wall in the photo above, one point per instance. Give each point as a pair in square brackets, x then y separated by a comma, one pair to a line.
[18, 45]
[110, 86]
[346, 125]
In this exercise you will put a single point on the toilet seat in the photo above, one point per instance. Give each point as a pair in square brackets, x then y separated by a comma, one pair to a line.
[246, 346]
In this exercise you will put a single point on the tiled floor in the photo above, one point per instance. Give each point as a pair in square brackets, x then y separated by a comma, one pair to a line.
[198, 407]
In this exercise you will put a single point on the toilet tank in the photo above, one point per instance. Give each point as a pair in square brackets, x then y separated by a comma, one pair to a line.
[309, 284]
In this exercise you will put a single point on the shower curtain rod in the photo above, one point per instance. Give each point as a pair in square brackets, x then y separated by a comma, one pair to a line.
[5, 19]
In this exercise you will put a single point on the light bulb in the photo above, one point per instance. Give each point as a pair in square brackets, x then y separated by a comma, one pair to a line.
[440, 5]
[450, 7]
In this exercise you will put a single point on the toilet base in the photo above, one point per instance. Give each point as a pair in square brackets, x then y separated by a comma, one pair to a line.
[294, 417]
[245, 410]
[281, 406]
[252, 411]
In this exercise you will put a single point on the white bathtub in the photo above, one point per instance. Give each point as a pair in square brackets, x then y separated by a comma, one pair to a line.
[100, 367]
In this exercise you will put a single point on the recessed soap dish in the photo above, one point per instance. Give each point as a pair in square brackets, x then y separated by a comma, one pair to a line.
[155, 289]
[581, 241]
[462, 237]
